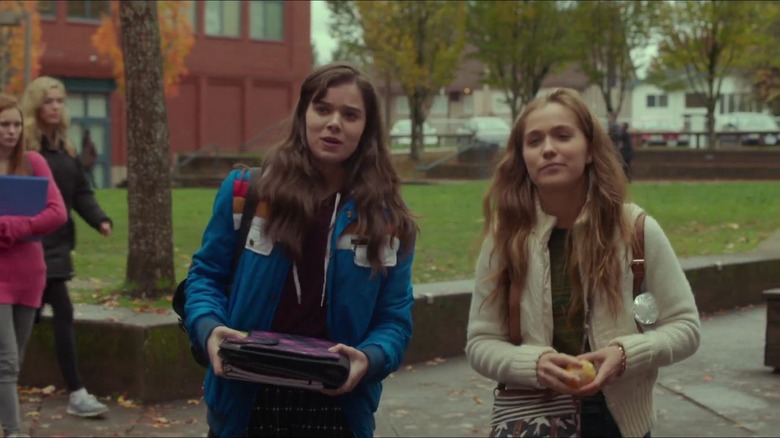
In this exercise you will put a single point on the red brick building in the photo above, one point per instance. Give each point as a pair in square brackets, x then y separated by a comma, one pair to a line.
[245, 68]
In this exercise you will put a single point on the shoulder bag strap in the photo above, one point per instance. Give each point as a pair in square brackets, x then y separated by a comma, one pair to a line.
[638, 262]
[514, 315]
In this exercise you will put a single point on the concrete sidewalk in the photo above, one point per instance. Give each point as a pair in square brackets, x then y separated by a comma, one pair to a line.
[724, 390]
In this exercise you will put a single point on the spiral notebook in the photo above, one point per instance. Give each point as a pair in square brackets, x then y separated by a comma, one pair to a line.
[22, 195]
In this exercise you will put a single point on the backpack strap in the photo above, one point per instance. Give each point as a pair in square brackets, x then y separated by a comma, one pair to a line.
[638, 260]
[250, 206]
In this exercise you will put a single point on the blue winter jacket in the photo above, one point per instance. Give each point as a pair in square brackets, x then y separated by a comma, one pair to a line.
[370, 313]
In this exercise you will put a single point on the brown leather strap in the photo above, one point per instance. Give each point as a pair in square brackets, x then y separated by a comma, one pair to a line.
[638, 262]
[514, 315]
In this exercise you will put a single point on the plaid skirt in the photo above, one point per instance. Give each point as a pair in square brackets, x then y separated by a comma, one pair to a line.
[294, 412]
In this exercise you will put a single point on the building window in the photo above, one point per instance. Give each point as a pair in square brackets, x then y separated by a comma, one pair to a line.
[223, 18]
[695, 100]
[87, 9]
[468, 104]
[657, 101]
[266, 20]
[47, 9]
[440, 105]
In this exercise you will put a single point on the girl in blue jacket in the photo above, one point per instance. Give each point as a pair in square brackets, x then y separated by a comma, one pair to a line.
[328, 255]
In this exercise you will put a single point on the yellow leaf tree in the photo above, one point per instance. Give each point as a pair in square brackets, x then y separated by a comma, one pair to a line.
[421, 42]
[176, 41]
[12, 46]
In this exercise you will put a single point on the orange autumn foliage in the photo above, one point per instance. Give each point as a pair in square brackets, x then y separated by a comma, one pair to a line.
[176, 41]
[12, 47]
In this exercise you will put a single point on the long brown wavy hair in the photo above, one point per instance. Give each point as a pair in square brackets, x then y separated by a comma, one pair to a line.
[290, 182]
[32, 100]
[16, 166]
[593, 243]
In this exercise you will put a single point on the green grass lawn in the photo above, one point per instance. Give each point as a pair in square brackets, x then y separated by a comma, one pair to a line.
[699, 218]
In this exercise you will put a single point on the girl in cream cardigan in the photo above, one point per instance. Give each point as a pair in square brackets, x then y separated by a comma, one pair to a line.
[558, 228]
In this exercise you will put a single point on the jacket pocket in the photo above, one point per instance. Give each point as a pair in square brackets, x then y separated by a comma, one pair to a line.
[256, 240]
[388, 252]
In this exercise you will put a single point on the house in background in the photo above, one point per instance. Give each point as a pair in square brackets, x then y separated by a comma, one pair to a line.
[245, 69]
[684, 110]
[466, 96]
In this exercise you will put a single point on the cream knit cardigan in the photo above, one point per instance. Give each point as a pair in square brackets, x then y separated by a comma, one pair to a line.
[674, 337]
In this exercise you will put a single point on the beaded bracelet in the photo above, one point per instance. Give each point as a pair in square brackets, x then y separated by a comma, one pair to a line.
[622, 357]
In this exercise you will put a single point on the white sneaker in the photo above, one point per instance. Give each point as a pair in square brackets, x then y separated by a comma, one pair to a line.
[85, 405]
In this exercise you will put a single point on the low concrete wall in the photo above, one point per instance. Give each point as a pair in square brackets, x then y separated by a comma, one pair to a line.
[141, 356]
[146, 356]
[682, 164]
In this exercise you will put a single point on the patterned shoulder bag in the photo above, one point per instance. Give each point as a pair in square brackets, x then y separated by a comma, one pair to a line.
[539, 412]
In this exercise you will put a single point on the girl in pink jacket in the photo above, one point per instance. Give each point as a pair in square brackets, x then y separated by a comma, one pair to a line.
[22, 268]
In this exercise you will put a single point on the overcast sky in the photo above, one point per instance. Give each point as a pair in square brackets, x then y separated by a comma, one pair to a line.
[320, 17]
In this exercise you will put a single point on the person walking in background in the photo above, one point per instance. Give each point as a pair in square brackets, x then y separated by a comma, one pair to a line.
[88, 157]
[626, 149]
[329, 254]
[46, 123]
[22, 268]
[554, 284]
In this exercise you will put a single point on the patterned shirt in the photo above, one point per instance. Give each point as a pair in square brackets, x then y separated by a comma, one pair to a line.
[566, 338]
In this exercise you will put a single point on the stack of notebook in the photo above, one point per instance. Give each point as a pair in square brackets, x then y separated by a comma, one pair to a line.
[284, 360]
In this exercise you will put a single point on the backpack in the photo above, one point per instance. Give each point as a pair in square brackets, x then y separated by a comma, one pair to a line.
[180, 295]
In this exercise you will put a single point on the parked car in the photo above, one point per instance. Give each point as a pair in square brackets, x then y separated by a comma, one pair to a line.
[659, 132]
[761, 129]
[401, 133]
[487, 131]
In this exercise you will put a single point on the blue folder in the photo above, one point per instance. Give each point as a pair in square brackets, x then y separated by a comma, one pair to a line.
[22, 195]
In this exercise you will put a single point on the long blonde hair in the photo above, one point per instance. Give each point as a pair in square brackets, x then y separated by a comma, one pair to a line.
[593, 244]
[32, 100]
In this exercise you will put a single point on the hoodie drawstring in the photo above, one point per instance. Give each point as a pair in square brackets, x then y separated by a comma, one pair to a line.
[327, 257]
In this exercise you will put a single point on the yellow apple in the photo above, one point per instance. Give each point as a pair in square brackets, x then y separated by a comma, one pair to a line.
[584, 374]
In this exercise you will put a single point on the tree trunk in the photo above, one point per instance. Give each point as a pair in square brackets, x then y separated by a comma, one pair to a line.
[417, 116]
[150, 272]
[711, 139]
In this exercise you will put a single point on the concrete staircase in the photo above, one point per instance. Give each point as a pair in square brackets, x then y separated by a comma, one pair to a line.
[477, 163]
